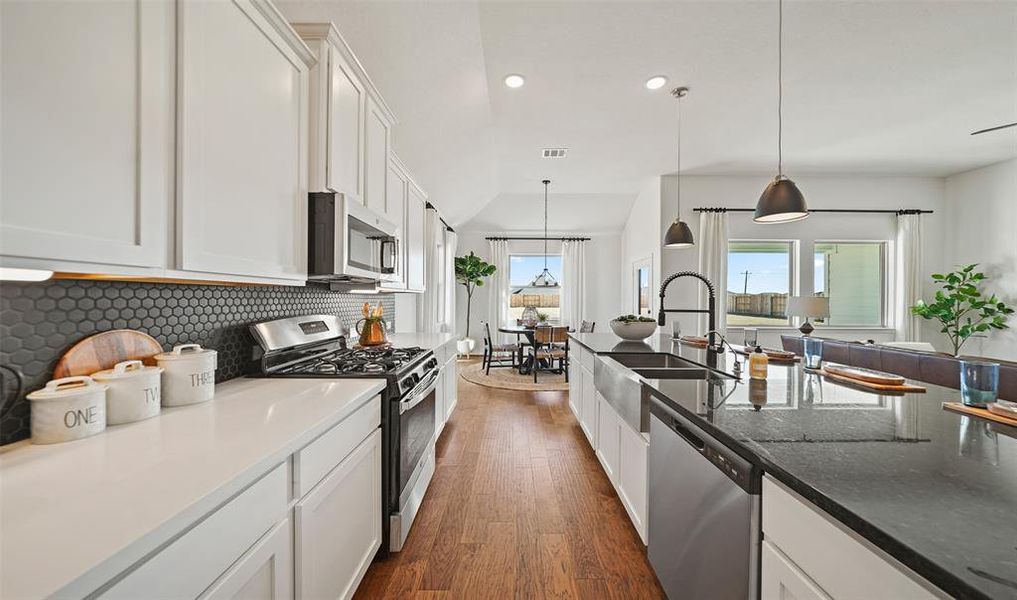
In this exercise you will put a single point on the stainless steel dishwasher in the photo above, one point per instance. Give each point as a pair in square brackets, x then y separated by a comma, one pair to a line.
[704, 516]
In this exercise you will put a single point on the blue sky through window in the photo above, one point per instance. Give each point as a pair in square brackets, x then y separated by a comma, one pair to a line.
[522, 269]
[768, 272]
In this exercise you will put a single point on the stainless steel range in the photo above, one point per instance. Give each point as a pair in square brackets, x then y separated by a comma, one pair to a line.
[315, 346]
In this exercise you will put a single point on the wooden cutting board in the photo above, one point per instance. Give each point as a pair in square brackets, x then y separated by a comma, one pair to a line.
[103, 350]
[863, 374]
[980, 412]
[774, 355]
[879, 387]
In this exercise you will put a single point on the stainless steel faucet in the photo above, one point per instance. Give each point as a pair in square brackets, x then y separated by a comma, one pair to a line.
[711, 309]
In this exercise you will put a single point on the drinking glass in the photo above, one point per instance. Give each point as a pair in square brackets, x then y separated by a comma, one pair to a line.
[979, 382]
[813, 352]
[751, 337]
[676, 329]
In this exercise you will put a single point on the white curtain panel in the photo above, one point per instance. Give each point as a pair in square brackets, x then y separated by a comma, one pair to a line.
[908, 274]
[573, 283]
[498, 293]
[431, 306]
[449, 316]
[712, 243]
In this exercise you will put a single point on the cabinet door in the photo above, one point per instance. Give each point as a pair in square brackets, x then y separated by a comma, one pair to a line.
[589, 408]
[451, 387]
[242, 178]
[607, 439]
[86, 132]
[575, 387]
[396, 203]
[782, 580]
[265, 572]
[632, 475]
[376, 152]
[339, 525]
[347, 103]
[439, 402]
[414, 239]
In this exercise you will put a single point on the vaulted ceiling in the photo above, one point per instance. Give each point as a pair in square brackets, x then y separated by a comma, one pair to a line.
[870, 88]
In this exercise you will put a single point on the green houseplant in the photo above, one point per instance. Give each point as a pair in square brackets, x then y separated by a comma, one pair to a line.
[962, 308]
[471, 270]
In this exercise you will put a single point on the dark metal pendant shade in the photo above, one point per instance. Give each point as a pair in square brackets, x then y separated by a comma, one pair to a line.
[678, 235]
[781, 202]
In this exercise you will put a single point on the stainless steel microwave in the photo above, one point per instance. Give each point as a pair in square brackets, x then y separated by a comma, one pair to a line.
[348, 242]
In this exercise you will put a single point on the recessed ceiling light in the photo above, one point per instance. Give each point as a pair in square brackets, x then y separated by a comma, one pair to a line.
[656, 82]
[514, 81]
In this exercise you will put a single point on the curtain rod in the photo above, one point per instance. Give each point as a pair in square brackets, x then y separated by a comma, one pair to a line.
[899, 211]
[448, 227]
[539, 238]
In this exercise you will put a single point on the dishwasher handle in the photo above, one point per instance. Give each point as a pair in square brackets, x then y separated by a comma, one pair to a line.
[694, 440]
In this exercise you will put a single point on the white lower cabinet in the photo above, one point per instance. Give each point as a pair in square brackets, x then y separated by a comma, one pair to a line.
[265, 572]
[782, 580]
[632, 486]
[607, 438]
[451, 396]
[588, 410]
[338, 525]
[575, 386]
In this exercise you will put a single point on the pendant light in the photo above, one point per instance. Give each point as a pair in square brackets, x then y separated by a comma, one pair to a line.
[781, 201]
[678, 234]
[544, 278]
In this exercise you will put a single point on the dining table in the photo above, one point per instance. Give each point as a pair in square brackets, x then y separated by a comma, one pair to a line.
[525, 363]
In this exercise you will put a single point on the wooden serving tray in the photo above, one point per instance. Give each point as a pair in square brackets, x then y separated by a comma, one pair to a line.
[774, 355]
[878, 387]
[694, 341]
[863, 374]
[103, 350]
[980, 412]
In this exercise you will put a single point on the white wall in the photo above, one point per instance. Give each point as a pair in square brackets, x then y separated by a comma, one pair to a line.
[602, 277]
[820, 192]
[981, 213]
[640, 240]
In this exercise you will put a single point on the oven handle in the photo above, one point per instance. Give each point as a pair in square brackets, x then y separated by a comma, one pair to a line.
[417, 397]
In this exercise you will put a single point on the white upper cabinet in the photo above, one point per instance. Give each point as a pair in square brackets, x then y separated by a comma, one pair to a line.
[376, 154]
[396, 190]
[242, 174]
[416, 203]
[86, 133]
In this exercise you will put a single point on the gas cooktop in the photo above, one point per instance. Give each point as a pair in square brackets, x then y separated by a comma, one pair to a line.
[358, 361]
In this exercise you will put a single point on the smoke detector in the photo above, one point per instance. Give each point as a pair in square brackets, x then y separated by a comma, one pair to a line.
[555, 152]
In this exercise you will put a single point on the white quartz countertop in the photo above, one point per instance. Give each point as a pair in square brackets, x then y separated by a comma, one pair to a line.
[422, 340]
[75, 515]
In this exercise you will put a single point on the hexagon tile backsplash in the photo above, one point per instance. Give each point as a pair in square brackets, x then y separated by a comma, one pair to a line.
[39, 321]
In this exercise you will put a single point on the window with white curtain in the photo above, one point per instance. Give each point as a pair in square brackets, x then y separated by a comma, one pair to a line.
[759, 281]
[853, 276]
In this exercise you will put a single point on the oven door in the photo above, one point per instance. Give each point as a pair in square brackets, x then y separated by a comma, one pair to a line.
[372, 244]
[416, 430]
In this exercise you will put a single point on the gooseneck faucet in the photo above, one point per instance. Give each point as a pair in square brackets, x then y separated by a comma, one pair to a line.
[711, 309]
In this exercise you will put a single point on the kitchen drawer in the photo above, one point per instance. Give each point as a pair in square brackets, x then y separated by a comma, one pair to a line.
[193, 561]
[837, 560]
[319, 457]
[586, 358]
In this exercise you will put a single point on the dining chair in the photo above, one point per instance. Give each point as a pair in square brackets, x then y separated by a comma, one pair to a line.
[587, 326]
[500, 355]
[550, 343]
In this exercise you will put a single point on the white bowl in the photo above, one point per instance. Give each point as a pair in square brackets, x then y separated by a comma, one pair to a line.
[634, 331]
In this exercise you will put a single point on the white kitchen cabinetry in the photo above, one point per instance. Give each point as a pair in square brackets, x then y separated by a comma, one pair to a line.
[265, 572]
[338, 525]
[86, 137]
[822, 557]
[242, 141]
[633, 454]
[377, 147]
[413, 240]
[607, 438]
[451, 385]
[397, 189]
[575, 385]
[446, 390]
[588, 417]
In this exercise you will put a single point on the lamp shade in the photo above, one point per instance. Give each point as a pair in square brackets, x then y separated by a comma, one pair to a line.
[678, 235]
[808, 306]
[781, 202]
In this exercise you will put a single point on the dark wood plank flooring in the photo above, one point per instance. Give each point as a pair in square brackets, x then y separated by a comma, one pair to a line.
[518, 507]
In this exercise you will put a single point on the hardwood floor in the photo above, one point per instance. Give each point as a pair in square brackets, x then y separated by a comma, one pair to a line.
[518, 507]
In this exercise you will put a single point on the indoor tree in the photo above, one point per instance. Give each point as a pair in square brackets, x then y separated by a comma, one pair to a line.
[962, 308]
[470, 273]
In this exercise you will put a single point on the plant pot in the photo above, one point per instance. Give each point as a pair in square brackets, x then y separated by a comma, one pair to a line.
[633, 331]
[465, 346]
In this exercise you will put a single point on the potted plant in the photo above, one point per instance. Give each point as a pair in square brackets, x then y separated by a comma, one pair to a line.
[962, 308]
[542, 317]
[471, 270]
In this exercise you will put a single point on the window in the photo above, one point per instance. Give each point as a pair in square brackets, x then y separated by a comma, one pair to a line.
[851, 275]
[758, 282]
[523, 269]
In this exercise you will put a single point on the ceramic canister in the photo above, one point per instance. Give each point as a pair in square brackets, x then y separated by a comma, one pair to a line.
[189, 375]
[134, 391]
[68, 409]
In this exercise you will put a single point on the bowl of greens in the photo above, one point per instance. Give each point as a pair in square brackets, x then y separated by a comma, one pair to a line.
[632, 327]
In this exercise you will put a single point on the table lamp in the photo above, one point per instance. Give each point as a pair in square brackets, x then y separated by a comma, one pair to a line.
[808, 306]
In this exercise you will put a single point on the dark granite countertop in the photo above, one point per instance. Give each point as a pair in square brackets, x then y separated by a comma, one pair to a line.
[934, 489]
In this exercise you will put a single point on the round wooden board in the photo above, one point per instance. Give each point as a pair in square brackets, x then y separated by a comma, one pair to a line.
[103, 350]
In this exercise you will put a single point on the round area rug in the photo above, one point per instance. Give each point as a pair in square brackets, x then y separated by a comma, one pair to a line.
[508, 378]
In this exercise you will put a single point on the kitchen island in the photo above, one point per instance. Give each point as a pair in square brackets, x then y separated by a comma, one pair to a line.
[932, 489]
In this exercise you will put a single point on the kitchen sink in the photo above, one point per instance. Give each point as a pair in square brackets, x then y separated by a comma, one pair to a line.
[655, 361]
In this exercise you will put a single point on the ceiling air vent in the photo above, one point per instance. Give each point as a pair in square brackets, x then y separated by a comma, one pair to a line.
[555, 152]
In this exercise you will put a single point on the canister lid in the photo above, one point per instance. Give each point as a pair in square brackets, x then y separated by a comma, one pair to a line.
[67, 387]
[184, 351]
[125, 370]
